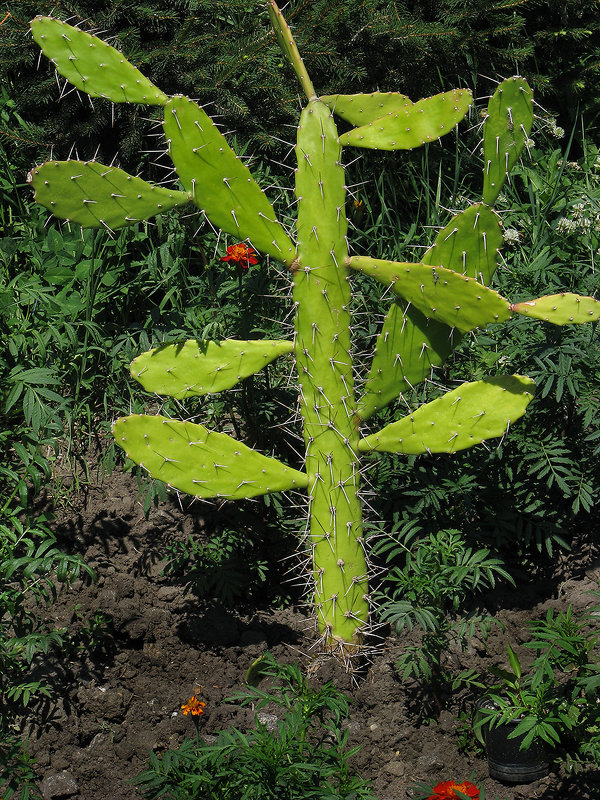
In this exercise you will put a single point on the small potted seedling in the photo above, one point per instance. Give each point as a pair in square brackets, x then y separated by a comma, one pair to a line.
[550, 711]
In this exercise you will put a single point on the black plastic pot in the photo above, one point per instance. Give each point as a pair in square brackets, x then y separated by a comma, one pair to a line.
[508, 764]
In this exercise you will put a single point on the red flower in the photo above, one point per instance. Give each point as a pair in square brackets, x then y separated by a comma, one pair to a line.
[446, 790]
[240, 254]
[194, 707]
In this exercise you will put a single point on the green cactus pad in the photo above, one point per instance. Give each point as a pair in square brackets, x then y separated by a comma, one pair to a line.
[200, 462]
[505, 132]
[94, 195]
[219, 182]
[92, 65]
[360, 109]
[441, 294]
[288, 47]
[409, 344]
[560, 309]
[407, 349]
[458, 420]
[202, 367]
[469, 244]
[414, 125]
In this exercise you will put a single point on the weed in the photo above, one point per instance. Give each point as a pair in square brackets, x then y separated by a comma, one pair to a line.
[305, 756]
[438, 574]
[17, 776]
[227, 566]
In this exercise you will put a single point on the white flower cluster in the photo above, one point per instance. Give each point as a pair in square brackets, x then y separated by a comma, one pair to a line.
[585, 218]
[511, 236]
[566, 226]
[572, 165]
[554, 129]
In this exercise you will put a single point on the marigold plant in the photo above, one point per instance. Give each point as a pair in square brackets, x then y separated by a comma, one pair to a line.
[194, 706]
[450, 790]
[241, 254]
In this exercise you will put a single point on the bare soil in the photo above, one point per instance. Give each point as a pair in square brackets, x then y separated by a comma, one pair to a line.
[123, 700]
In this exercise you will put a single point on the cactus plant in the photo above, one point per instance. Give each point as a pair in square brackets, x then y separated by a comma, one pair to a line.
[438, 300]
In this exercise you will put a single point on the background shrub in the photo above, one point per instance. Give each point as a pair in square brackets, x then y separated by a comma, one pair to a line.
[224, 52]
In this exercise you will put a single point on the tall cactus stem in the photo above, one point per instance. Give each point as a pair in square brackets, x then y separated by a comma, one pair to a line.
[322, 295]
[288, 46]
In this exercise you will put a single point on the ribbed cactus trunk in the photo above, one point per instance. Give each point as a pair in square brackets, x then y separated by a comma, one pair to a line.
[322, 348]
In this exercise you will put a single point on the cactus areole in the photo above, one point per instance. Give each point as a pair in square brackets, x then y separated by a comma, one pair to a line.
[436, 301]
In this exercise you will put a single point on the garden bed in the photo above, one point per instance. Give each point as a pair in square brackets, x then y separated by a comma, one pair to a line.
[157, 646]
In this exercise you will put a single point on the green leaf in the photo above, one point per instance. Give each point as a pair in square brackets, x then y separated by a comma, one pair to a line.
[94, 195]
[219, 182]
[199, 367]
[201, 462]
[360, 109]
[468, 244]
[560, 309]
[514, 661]
[93, 66]
[458, 420]
[438, 293]
[505, 133]
[408, 347]
[412, 125]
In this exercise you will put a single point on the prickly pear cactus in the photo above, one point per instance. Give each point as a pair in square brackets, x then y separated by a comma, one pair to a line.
[438, 300]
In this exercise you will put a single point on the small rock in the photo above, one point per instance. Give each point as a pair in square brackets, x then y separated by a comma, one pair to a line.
[269, 720]
[168, 593]
[477, 646]
[397, 768]
[593, 572]
[123, 586]
[125, 750]
[445, 722]
[61, 784]
[430, 763]
[104, 703]
[353, 726]
[135, 628]
[403, 732]
[377, 732]
[107, 600]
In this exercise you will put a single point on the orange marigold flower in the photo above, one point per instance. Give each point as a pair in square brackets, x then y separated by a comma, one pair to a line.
[240, 254]
[193, 706]
[446, 790]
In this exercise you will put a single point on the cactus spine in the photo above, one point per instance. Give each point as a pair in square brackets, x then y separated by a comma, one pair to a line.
[439, 300]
